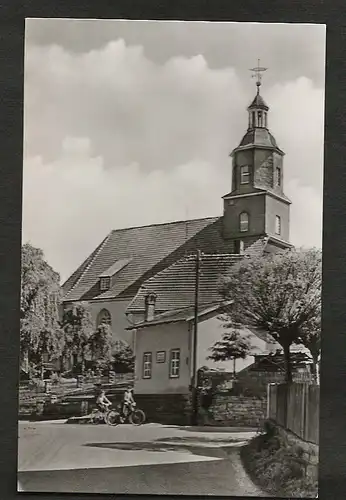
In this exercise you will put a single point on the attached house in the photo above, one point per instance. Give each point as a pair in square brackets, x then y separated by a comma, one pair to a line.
[163, 314]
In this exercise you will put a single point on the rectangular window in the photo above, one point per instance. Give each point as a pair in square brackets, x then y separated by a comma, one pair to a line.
[244, 174]
[278, 176]
[174, 364]
[278, 225]
[147, 364]
[105, 283]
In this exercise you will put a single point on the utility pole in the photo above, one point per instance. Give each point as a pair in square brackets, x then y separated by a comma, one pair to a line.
[194, 419]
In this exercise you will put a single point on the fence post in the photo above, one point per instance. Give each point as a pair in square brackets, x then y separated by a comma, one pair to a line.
[303, 410]
[285, 401]
[307, 414]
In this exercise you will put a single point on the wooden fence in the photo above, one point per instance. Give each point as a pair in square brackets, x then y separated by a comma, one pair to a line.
[296, 408]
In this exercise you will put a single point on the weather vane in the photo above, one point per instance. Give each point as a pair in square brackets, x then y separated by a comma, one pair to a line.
[257, 73]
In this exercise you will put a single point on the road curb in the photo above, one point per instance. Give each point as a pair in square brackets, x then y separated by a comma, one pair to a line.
[78, 420]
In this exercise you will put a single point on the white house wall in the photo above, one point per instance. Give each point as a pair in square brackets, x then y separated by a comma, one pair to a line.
[162, 338]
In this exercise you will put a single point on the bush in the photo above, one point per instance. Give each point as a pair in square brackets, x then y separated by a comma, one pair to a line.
[278, 467]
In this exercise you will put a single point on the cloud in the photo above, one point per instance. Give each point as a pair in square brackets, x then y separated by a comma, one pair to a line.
[306, 215]
[289, 50]
[114, 139]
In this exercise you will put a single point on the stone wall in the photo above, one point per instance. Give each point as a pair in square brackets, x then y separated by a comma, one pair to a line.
[310, 451]
[239, 411]
[225, 410]
[171, 409]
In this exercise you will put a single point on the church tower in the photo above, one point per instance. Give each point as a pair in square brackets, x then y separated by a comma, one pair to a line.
[257, 205]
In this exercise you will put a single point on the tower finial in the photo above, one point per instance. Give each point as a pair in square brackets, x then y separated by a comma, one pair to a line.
[257, 73]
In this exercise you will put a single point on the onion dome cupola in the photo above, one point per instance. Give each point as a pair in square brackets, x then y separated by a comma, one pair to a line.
[258, 134]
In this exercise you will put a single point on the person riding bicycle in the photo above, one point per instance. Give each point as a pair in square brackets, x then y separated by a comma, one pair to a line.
[128, 402]
[102, 402]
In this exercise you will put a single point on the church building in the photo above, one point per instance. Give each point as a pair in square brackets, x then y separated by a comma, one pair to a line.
[140, 280]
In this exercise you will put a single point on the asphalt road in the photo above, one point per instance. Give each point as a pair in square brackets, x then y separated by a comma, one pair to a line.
[152, 459]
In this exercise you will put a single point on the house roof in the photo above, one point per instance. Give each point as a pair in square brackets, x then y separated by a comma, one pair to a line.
[186, 314]
[146, 247]
[175, 285]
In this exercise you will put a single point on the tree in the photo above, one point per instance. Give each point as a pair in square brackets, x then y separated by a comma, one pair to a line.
[77, 325]
[233, 345]
[123, 358]
[279, 294]
[39, 307]
[101, 343]
[311, 339]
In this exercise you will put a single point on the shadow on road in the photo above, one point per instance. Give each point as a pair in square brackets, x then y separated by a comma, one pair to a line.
[142, 446]
[201, 439]
[178, 445]
[206, 429]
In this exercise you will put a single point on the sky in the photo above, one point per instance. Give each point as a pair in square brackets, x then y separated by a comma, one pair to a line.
[129, 123]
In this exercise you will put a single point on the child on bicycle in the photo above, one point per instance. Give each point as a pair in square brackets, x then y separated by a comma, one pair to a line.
[102, 402]
[128, 402]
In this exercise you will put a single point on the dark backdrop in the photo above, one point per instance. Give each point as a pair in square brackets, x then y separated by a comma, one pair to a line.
[333, 372]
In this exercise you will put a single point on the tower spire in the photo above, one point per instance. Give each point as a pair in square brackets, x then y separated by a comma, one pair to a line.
[257, 73]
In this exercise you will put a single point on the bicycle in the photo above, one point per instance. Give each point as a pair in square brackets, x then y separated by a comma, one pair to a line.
[135, 416]
[98, 416]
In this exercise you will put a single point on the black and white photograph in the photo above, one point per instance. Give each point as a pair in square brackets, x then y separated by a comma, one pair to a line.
[171, 259]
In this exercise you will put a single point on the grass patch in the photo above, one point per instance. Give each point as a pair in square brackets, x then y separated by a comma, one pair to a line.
[278, 467]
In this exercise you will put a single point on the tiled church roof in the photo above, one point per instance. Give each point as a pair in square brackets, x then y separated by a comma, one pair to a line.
[146, 247]
[175, 285]
[149, 250]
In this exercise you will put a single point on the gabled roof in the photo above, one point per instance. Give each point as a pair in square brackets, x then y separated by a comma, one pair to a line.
[146, 247]
[175, 285]
[149, 249]
[186, 315]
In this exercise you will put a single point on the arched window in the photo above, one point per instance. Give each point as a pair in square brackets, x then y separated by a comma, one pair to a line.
[244, 222]
[104, 318]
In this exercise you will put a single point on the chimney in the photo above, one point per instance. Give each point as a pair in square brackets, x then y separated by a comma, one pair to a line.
[150, 301]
